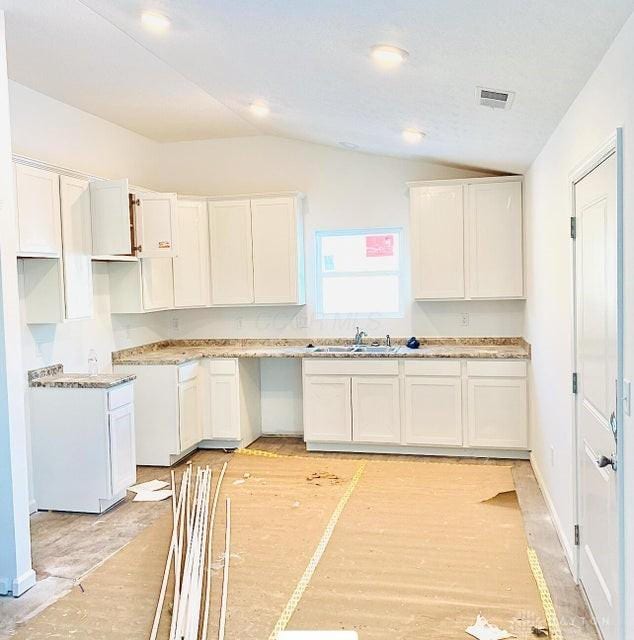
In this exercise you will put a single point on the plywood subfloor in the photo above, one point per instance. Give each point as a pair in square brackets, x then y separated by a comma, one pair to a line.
[411, 556]
[69, 545]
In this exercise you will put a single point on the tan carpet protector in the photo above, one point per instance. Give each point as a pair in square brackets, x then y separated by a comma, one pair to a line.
[419, 550]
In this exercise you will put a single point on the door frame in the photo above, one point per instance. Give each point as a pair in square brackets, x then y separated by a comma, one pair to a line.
[614, 145]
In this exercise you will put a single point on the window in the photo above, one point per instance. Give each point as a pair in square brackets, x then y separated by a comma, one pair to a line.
[359, 273]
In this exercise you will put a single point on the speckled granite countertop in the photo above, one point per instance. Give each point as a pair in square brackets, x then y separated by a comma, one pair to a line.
[55, 377]
[174, 352]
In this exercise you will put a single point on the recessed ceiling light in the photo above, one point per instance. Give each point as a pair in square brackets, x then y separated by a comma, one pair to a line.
[260, 109]
[412, 136]
[388, 56]
[156, 22]
[349, 145]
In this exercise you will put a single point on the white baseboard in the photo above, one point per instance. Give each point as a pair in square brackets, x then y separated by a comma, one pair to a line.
[32, 506]
[569, 551]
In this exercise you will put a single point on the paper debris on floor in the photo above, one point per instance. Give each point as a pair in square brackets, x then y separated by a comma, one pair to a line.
[152, 496]
[484, 630]
[151, 485]
[325, 476]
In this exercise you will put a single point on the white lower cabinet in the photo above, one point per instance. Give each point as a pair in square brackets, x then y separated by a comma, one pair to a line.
[189, 414]
[497, 406]
[232, 416]
[433, 403]
[83, 447]
[475, 406]
[327, 408]
[376, 409]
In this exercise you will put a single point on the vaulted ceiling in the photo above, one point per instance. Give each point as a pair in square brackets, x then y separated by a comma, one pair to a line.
[310, 61]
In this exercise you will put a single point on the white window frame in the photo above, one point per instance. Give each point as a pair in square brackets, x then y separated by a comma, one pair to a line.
[320, 274]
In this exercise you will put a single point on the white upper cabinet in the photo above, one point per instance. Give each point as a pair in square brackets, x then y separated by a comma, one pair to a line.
[257, 251]
[111, 223]
[437, 232]
[191, 266]
[155, 225]
[124, 223]
[37, 197]
[231, 252]
[495, 240]
[157, 286]
[76, 247]
[277, 234]
[467, 239]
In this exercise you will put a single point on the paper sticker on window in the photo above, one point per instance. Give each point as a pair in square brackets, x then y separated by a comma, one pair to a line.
[329, 263]
[379, 246]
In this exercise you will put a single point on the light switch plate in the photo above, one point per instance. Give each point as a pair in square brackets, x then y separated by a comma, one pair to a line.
[627, 397]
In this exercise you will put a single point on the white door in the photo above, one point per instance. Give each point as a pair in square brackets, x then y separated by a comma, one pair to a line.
[157, 283]
[122, 448]
[433, 410]
[376, 409]
[191, 266]
[224, 406]
[231, 252]
[596, 346]
[189, 414]
[497, 413]
[494, 229]
[111, 224]
[273, 222]
[76, 247]
[39, 229]
[327, 409]
[437, 232]
[155, 225]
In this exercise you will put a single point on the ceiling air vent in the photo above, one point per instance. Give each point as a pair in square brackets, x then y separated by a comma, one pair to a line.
[494, 99]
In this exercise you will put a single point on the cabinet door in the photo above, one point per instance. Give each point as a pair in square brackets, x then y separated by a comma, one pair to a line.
[327, 409]
[110, 212]
[189, 414]
[224, 406]
[122, 451]
[497, 413]
[376, 413]
[495, 240]
[231, 252]
[275, 250]
[37, 195]
[157, 283]
[155, 225]
[76, 247]
[437, 232]
[191, 266]
[433, 410]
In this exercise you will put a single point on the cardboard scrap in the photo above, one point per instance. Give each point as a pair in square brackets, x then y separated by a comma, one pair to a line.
[484, 630]
[151, 485]
[152, 496]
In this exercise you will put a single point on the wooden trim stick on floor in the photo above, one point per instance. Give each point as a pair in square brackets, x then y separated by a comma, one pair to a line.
[212, 520]
[225, 574]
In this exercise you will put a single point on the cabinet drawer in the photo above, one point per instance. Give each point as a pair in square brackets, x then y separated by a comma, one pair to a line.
[351, 367]
[187, 371]
[432, 367]
[222, 366]
[496, 369]
[120, 396]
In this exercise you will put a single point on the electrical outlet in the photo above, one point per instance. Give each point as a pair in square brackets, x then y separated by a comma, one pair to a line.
[627, 397]
[464, 319]
[301, 321]
[239, 323]
[175, 323]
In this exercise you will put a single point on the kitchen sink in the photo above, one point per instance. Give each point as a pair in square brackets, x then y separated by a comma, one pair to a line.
[362, 348]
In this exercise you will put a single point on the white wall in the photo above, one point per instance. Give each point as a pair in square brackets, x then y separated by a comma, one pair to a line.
[344, 189]
[605, 103]
[16, 574]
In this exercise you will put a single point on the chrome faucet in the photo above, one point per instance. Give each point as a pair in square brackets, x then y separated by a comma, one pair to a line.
[388, 340]
[358, 338]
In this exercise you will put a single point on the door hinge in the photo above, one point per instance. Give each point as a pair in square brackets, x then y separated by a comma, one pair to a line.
[576, 535]
[573, 227]
[574, 382]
